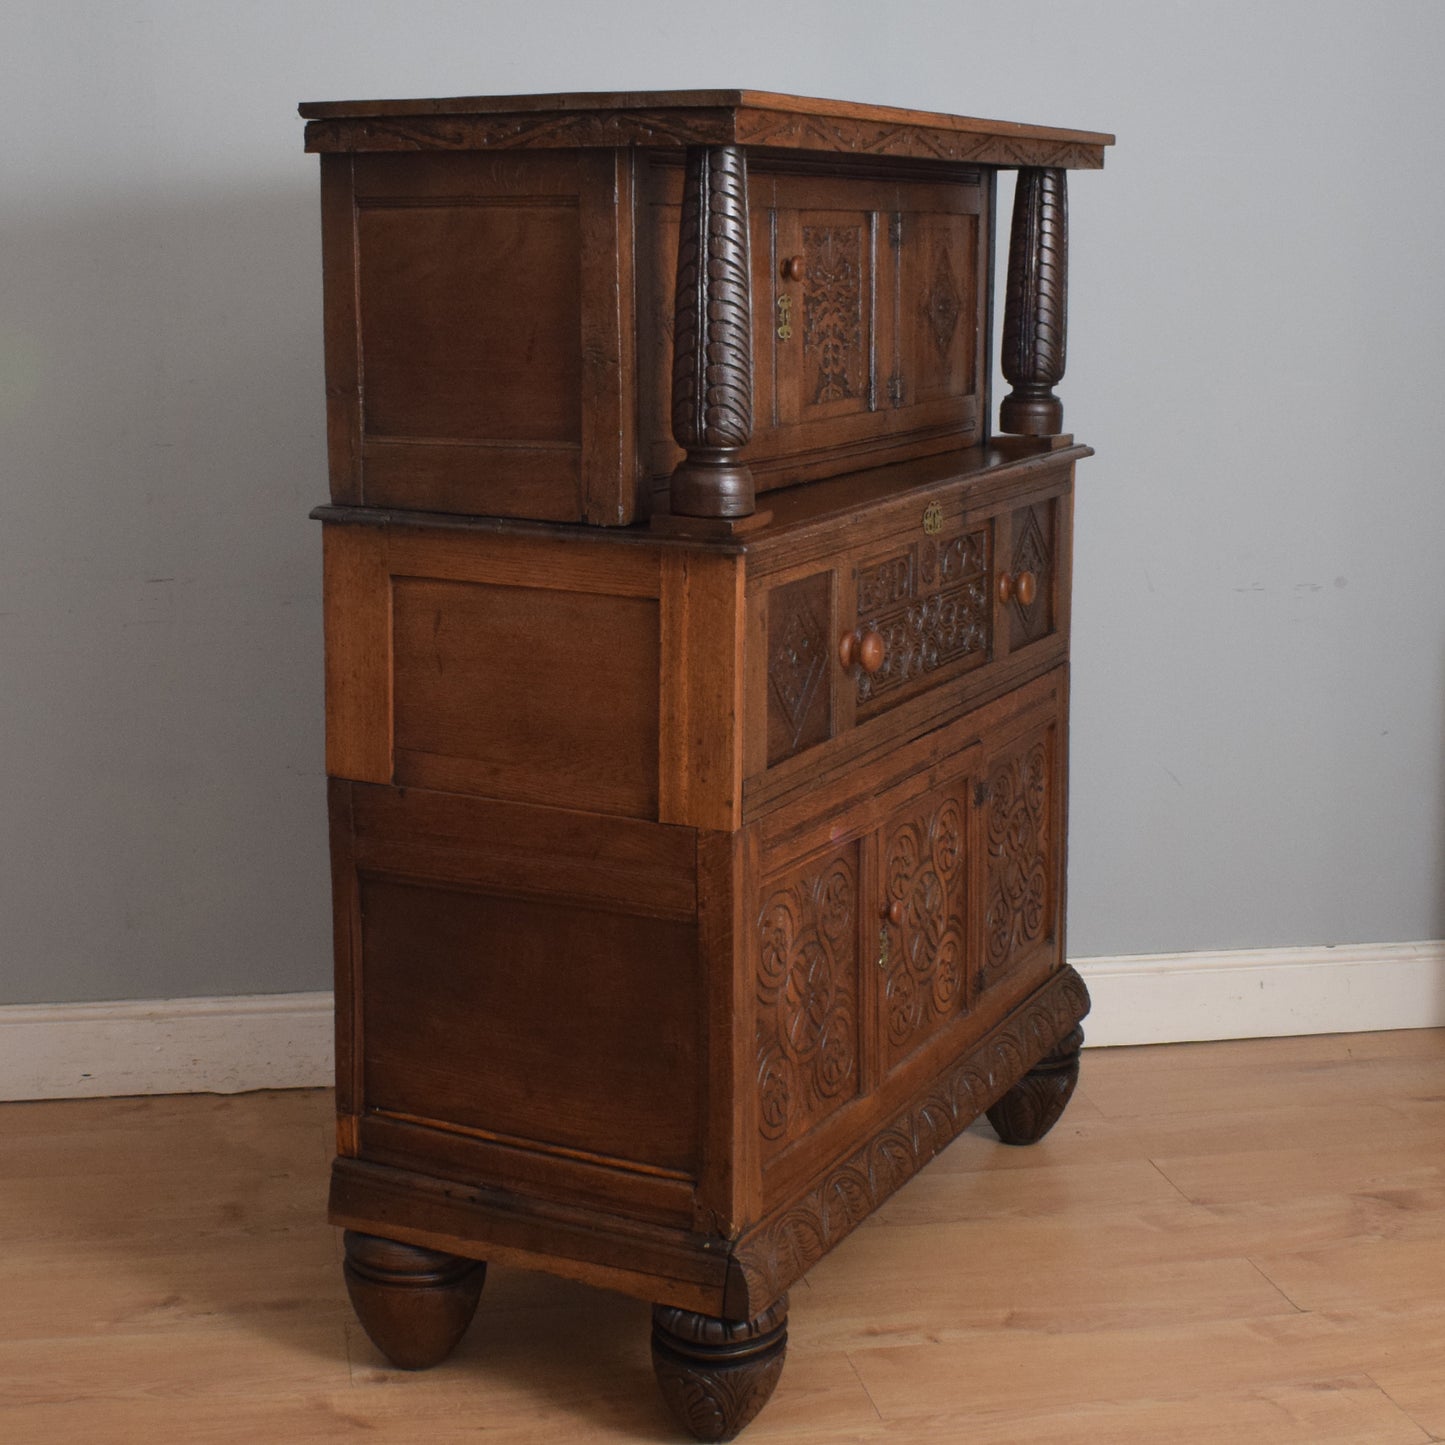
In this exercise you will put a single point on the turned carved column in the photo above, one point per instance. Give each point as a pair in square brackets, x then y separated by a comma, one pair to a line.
[1036, 303]
[712, 371]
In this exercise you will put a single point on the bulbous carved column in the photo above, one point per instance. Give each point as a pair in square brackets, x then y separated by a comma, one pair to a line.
[712, 368]
[1036, 303]
[717, 1374]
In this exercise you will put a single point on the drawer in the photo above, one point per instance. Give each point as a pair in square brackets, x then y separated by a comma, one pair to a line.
[891, 635]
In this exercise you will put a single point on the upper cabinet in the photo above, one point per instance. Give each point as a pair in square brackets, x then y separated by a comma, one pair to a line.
[593, 308]
[868, 335]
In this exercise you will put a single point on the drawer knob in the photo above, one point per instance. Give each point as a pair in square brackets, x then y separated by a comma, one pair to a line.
[1022, 585]
[863, 647]
[794, 268]
[894, 913]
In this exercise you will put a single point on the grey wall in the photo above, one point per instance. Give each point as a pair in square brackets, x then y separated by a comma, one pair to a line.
[1257, 352]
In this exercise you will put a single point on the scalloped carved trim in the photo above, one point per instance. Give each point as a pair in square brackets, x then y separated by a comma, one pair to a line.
[875, 138]
[671, 128]
[783, 1249]
[547, 130]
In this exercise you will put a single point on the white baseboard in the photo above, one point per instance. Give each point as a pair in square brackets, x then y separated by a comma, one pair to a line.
[1164, 998]
[165, 1046]
[284, 1040]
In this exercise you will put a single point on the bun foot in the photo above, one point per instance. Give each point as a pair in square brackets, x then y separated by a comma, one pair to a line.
[414, 1303]
[717, 1374]
[1033, 1106]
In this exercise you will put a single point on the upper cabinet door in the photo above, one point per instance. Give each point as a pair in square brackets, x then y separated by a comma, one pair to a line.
[828, 331]
[867, 305]
[936, 240]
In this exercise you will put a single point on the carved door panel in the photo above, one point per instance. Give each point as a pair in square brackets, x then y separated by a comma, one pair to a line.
[809, 1033]
[924, 919]
[939, 278]
[827, 322]
[1021, 825]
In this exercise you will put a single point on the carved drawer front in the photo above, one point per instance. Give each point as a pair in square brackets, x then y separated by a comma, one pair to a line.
[924, 919]
[808, 1017]
[928, 604]
[1022, 847]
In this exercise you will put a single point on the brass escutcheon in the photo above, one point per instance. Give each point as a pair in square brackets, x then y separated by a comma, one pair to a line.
[933, 519]
[785, 318]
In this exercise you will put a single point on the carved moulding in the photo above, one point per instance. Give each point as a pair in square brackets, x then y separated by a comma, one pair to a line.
[779, 1252]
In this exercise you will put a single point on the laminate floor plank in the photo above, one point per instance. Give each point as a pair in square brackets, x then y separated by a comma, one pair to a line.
[1233, 1242]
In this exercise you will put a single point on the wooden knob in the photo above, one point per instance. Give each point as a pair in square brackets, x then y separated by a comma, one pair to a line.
[1005, 587]
[794, 268]
[894, 913]
[870, 651]
[1026, 588]
[864, 647]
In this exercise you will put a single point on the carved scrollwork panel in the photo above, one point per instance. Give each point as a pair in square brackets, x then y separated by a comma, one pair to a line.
[1020, 855]
[782, 1250]
[925, 879]
[932, 606]
[807, 995]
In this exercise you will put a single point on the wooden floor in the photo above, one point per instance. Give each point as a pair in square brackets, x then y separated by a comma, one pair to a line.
[1237, 1242]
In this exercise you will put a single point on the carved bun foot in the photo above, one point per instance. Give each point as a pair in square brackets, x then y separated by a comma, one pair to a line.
[717, 1374]
[414, 1303]
[1033, 1106]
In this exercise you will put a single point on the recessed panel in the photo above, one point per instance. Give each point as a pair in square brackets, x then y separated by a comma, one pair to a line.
[536, 1021]
[527, 693]
[471, 320]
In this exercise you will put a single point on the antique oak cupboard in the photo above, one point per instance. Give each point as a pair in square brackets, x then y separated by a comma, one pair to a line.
[697, 682]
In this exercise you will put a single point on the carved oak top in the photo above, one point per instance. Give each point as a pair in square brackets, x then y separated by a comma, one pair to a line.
[671, 118]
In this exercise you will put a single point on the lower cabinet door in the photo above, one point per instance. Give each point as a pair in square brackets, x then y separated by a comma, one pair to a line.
[1021, 827]
[894, 927]
[924, 916]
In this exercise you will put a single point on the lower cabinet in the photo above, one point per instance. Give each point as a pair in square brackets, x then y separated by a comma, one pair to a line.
[586, 1026]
